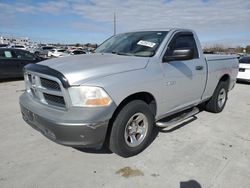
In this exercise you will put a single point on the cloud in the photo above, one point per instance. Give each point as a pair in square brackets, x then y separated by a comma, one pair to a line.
[217, 18]
[207, 16]
[212, 19]
[51, 7]
[89, 27]
[54, 7]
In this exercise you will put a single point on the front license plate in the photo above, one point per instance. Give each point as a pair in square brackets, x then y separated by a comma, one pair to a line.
[241, 70]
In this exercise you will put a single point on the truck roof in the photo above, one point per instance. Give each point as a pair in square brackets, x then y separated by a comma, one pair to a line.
[161, 29]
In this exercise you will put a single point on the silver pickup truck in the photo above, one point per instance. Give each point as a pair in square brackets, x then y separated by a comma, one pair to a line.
[133, 82]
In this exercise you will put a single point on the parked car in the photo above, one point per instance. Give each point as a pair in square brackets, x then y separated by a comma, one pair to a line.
[244, 69]
[43, 51]
[21, 47]
[4, 45]
[133, 82]
[12, 62]
[77, 52]
[73, 52]
[56, 52]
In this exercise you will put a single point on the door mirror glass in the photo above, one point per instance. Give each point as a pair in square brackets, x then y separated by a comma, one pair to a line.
[179, 54]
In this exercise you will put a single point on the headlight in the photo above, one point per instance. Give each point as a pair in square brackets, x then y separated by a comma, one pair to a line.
[89, 96]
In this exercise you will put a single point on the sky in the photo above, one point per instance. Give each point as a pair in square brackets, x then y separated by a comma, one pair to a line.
[224, 22]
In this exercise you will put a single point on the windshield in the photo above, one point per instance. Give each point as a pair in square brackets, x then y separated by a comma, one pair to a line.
[144, 44]
[47, 48]
[18, 46]
[61, 50]
[245, 60]
[3, 45]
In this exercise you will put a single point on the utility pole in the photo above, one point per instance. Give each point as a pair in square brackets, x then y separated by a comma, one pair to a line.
[114, 23]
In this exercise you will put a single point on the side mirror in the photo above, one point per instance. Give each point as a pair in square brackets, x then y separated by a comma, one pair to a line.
[179, 54]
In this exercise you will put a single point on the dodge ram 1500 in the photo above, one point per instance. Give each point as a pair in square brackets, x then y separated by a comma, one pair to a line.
[133, 82]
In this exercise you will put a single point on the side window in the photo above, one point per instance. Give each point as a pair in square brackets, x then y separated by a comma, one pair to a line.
[184, 41]
[24, 55]
[5, 54]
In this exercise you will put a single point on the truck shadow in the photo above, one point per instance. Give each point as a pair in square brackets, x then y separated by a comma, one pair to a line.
[104, 149]
[101, 150]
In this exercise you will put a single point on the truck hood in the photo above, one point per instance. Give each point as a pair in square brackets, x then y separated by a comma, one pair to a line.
[79, 69]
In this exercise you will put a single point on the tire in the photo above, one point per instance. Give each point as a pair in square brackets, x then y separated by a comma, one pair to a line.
[132, 129]
[218, 101]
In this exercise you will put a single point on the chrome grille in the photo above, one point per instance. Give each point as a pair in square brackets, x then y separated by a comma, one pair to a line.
[54, 100]
[51, 84]
[45, 89]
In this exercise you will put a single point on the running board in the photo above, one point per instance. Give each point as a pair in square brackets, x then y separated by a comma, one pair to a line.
[177, 119]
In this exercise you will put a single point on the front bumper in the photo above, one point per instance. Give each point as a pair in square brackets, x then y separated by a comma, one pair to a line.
[78, 127]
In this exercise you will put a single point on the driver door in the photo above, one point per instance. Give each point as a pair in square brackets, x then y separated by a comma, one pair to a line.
[184, 79]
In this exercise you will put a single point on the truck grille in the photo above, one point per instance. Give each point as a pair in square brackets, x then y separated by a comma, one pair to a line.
[46, 90]
[54, 100]
[50, 84]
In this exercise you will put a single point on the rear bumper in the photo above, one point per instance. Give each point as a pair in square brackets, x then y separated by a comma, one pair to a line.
[244, 76]
[71, 128]
[243, 79]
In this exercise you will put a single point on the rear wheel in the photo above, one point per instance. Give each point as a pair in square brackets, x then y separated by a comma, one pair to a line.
[218, 101]
[131, 130]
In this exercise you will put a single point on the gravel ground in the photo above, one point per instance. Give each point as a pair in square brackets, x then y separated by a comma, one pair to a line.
[212, 150]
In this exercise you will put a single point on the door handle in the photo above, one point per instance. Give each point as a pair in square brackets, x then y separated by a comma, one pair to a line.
[199, 67]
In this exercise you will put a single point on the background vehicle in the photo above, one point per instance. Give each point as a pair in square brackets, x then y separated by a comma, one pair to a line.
[134, 81]
[73, 52]
[12, 62]
[56, 52]
[244, 69]
[4, 45]
[43, 51]
[21, 47]
[77, 52]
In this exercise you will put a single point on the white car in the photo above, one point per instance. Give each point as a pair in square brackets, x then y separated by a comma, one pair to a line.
[56, 52]
[244, 69]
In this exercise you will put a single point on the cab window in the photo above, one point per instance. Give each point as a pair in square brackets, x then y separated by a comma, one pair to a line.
[182, 41]
[5, 54]
[24, 55]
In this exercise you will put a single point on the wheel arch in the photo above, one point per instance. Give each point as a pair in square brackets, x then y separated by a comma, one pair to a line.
[225, 78]
[144, 96]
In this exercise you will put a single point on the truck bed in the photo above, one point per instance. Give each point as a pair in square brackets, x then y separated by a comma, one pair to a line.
[214, 57]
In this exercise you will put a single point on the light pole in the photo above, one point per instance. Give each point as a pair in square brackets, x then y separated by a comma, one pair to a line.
[114, 23]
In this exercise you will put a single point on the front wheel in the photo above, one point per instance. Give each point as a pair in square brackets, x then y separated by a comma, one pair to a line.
[131, 130]
[218, 101]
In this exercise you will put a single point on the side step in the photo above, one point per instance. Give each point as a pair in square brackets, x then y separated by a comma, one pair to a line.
[177, 118]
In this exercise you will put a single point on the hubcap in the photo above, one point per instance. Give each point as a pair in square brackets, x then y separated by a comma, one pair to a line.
[222, 98]
[136, 130]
